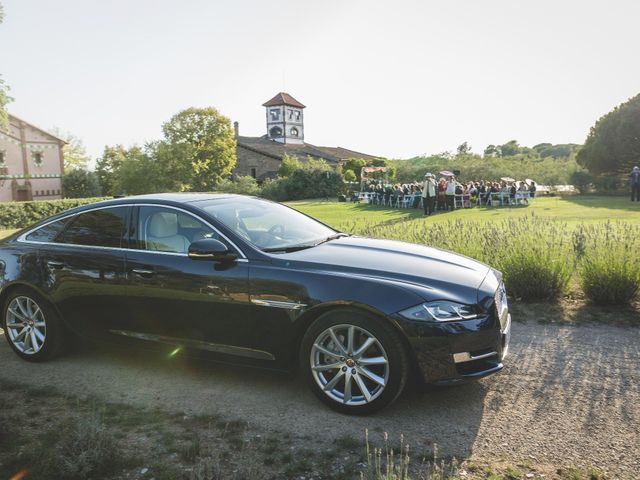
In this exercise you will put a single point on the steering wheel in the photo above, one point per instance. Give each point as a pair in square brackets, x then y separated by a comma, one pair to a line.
[277, 229]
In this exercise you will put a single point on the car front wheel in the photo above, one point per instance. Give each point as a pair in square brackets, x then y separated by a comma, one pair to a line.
[354, 362]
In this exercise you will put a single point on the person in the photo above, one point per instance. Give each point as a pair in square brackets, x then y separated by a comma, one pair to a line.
[429, 192]
[532, 189]
[450, 192]
[635, 184]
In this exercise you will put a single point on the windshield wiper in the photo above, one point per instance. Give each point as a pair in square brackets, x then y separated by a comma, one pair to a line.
[333, 237]
[302, 246]
[292, 248]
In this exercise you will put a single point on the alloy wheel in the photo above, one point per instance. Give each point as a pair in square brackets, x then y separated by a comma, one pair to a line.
[349, 364]
[26, 325]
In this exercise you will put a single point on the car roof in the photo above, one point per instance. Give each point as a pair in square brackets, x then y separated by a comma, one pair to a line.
[166, 198]
[181, 197]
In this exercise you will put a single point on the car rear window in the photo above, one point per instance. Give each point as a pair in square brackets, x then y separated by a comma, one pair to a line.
[47, 233]
[99, 228]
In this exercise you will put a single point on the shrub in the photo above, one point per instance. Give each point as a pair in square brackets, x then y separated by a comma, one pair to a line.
[75, 449]
[22, 214]
[80, 183]
[304, 183]
[609, 262]
[245, 185]
[534, 255]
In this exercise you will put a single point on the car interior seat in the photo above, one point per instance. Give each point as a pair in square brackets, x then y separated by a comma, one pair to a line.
[162, 233]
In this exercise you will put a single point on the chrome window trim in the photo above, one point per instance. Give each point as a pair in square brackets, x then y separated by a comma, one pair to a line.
[23, 238]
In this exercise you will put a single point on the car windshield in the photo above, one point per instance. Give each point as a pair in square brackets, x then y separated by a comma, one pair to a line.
[269, 226]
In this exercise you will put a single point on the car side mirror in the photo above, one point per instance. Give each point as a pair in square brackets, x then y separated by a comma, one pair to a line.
[211, 249]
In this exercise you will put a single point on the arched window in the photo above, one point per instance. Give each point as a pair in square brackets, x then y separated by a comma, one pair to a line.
[294, 132]
[275, 132]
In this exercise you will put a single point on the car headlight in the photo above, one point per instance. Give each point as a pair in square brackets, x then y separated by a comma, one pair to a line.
[441, 311]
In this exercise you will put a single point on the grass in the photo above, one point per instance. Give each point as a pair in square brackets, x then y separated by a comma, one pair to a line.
[82, 438]
[569, 209]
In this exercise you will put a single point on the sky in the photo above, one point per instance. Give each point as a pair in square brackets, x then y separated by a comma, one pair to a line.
[392, 78]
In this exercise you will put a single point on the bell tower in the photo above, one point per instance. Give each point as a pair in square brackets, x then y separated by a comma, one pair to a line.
[285, 119]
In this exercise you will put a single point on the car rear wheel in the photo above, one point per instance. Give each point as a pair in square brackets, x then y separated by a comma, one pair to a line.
[353, 361]
[31, 326]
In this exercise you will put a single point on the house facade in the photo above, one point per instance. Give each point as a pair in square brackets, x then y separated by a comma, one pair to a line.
[31, 163]
[261, 157]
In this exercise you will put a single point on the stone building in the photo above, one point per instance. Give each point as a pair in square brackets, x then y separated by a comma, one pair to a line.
[31, 163]
[260, 157]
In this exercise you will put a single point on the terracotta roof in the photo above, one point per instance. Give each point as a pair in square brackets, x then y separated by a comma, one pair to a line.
[283, 98]
[270, 148]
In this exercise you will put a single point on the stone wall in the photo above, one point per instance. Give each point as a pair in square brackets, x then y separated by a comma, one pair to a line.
[264, 165]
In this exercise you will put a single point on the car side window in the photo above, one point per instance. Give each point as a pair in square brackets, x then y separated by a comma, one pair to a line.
[47, 233]
[164, 229]
[99, 228]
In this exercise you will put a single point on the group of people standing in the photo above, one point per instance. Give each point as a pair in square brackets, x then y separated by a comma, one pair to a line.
[441, 195]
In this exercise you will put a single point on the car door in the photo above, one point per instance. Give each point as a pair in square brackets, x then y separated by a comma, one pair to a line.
[84, 268]
[177, 300]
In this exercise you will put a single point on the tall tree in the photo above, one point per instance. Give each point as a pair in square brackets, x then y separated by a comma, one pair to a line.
[613, 144]
[464, 149]
[107, 165]
[4, 93]
[80, 183]
[202, 147]
[75, 155]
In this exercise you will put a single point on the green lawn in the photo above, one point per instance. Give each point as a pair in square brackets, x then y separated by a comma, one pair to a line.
[570, 209]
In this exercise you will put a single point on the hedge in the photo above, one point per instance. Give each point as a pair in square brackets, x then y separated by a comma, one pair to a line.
[23, 214]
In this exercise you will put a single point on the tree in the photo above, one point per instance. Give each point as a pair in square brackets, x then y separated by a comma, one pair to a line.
[354, 165]
[4, 95]
[137, 173]
[80, 183]
[492, 151]
[510, 148]
[288, 165]
[75, 155]
[202, 146]
[582, 180]
[107, 165]
[613, 144]
[349, 176]
[463, 149]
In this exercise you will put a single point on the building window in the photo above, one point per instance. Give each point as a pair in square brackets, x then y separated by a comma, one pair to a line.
[275, 132]
[275, 114]
[298, 115]
[37, 158]
[3, 158]
[294, 132]
[253, 172]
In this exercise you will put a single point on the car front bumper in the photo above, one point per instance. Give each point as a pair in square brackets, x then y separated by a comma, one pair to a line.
[454, 352]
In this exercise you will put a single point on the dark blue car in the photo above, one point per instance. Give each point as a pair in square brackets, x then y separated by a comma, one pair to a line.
[247, 280]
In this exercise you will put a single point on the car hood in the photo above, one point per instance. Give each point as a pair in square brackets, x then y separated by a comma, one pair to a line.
[431, 272]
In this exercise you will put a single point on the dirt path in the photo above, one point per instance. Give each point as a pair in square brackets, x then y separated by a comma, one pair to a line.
[569, 396]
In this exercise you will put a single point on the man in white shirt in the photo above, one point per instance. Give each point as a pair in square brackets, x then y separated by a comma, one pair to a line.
[450, 192]
[429, 194]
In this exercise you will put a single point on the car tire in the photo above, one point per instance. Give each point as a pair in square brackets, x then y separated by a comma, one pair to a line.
[322, 360]
[24, 308]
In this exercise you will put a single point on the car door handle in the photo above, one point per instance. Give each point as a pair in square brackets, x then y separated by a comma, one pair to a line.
[55, 264]
[143, 272]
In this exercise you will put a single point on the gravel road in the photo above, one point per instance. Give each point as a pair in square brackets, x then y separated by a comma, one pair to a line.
[569, 396]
